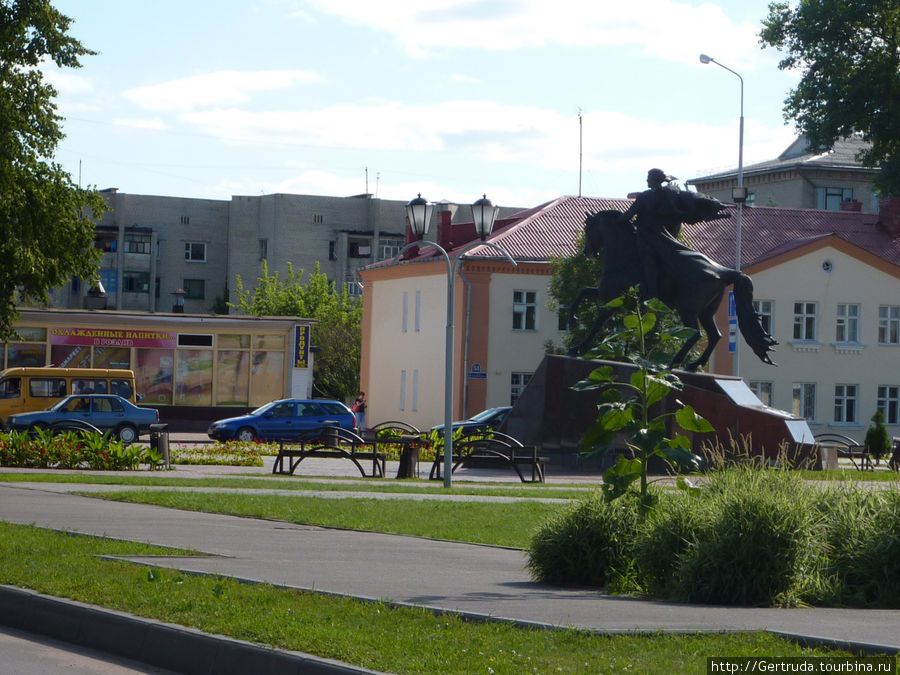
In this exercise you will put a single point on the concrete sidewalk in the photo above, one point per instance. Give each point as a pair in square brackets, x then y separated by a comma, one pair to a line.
[476, 580]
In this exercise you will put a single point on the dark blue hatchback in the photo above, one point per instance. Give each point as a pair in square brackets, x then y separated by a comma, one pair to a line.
[282, 420]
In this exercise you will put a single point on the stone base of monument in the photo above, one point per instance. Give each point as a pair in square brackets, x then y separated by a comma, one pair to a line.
[554, 417]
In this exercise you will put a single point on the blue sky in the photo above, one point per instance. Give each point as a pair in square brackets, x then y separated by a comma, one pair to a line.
[450, 98]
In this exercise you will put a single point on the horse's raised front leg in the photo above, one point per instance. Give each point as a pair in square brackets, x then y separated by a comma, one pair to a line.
[708, 321]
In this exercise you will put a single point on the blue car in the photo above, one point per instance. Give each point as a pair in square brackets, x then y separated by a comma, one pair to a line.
[105, 412]
[283, 420]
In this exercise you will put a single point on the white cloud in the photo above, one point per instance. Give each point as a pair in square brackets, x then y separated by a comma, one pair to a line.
[673, 31]
[219, 88]
[66, 82]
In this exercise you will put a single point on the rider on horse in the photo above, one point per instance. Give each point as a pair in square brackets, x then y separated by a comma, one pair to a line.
[657, 217]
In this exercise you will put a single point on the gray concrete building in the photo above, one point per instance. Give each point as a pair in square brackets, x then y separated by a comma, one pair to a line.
[163, 254]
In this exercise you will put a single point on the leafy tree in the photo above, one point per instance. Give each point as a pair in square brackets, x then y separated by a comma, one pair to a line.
[849, 53]
[338, 331]
[569, 276]
[46, 234]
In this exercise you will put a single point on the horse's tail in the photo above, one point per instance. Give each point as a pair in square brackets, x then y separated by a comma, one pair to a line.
[748, 320]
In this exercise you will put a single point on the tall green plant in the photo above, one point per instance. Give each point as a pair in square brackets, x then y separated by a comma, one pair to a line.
[625, 406]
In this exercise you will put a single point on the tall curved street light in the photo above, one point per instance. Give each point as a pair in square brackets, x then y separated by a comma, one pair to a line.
[739, 193]
[484, 214]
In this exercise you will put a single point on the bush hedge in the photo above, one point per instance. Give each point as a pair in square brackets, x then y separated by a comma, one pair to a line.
[759, 537]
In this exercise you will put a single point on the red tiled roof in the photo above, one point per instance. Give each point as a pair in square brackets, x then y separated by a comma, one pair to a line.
[549, 230]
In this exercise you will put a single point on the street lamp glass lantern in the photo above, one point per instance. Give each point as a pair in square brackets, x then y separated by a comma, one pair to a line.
[483, 215]
[419, 213]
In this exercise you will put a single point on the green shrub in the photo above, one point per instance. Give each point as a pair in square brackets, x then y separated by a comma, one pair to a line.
[591, 543]
[669, 531]
[878, 442]
[758, 543]
[863, 539]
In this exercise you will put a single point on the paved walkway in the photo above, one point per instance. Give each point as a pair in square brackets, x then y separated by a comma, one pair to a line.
[472, 579]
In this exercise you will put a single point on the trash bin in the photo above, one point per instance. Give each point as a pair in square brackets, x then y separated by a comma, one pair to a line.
[331, 435]
[409, 457]
[159, 441]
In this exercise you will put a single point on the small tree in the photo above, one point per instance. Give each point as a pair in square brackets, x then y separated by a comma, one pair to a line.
[877, 443]
[626, 406]
[338, 329]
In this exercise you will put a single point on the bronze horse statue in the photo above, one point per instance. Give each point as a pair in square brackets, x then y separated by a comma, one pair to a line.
[690, 283]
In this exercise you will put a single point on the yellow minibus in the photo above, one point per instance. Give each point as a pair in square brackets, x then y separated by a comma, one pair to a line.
[29, 389]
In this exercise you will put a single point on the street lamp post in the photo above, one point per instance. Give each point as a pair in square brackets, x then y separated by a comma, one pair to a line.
[483, 214]
[739, 193]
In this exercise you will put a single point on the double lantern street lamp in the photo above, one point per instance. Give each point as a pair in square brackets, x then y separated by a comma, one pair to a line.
[483, 214]
[738, 194]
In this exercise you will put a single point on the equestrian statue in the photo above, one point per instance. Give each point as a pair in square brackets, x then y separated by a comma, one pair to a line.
[640, 248]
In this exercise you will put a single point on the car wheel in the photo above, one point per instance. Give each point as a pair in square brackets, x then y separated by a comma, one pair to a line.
[37, 426]
[245, 435]
[127, 434]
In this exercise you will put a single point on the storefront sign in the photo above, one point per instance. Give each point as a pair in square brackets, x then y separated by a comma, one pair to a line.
[301, 347]
[113, 337]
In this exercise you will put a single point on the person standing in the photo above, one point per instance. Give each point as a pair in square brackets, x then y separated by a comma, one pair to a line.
[359, 407]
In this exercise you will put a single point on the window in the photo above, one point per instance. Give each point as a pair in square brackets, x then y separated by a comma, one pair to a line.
[517, 384]
[830, 198]
[110, 280]
[263, 249]
[354, 290]
[889, 325]
[524, 310]
[763, 391]
[847, 328]
[185, 220]
[46, 387]
[805, 399]
[766, 316]
[195, 289]
[135, 282]
[137, 243]
[845, 403]
[405, 320]
[390, 248]
[402, 390]
[76, 285]
[415, 392]
[195, 251]
[195, 340]
[418, 318]
[805, 321]
[318, 219]
[888, 403]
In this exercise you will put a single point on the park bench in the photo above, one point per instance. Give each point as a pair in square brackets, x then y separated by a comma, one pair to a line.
[848, 448]
[493, 449]
[329, 441]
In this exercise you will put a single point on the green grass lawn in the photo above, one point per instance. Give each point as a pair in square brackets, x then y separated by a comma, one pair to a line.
[372, 635]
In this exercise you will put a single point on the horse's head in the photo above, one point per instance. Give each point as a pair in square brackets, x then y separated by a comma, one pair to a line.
[595, 227]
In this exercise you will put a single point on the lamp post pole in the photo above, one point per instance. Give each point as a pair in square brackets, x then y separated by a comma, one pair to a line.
[484, 213]
[738, 194]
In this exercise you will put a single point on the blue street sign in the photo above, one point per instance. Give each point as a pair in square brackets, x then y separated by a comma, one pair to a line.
[732, 335]
[732, 310]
